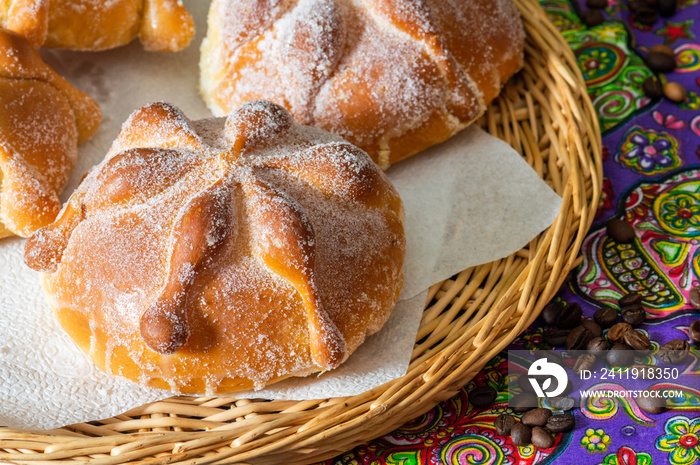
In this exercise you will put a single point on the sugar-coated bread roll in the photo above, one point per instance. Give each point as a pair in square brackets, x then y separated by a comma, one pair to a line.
[161, 25]
[42, 120]
[391, 76]
[224, 254]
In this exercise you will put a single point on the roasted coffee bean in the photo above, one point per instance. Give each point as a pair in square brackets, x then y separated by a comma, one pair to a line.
[551, 312]
[652, 88]
[674, 352]
[521, 435]
[637, 340]
[616, 334]
[641, 371]
[541, 438]
[536, 417]
[592, 326]
[578, 338]
[584, 362]
[694, 331]
[524, 383]
[570, 316]
[646, 16]
[556, 337]
[652, 401]
[551, 355]
[667, 8]
[633, 298]
[661, 48]
[636, 5]
[605, 317]
[597, 346]
[503, 424]
[560, 423]
[620, 355]
[620, 231]
[522, 402]
[561, 403]
[675, 92]
[634, 314]
[592, 18]
[694, 297]
[660, 62]
[482, 396]
[597, 4]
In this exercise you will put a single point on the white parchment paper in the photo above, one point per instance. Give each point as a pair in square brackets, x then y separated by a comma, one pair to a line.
[468, 201]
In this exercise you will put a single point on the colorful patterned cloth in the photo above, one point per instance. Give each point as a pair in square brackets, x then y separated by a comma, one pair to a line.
[652, 180]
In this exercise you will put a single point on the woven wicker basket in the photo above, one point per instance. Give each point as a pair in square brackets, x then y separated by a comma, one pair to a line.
[545, 114]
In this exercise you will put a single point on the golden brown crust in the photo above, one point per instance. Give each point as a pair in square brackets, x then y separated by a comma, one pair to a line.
[161, 25]
[42, 120]
[393, 77]
[221, 255]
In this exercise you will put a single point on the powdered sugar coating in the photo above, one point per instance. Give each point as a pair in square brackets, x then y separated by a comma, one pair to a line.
[42, 120]
[392, 77]
[220, 255]
[162, 25]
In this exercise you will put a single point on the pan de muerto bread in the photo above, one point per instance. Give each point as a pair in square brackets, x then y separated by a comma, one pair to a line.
[224, 254]
[391, 76]
[161, 25]
[42, 120]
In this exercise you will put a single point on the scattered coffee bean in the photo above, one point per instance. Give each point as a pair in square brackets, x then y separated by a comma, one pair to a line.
[652, 88]
[536, 417]
[570, 316]
[651, 401]
[522, 402]
[675, 92]
[674, 352]
[592, 326]
[578, 338]
[521, 435]
[551, 355]
[584, 362]
[541, 438]
[561, 403]
[482, 396]
[660, 62]
[642, 371]
[503, 424]
[592, 18]
[667, 8]
[646, 16]
[551, 312]
[620, 355]
[524, 383]
[560, 423]
[634, 314]
[694, 331]
[694, 297]
[636, 5]
[556, 337]
[597, 347]
[605, 316]
[661, 48]
[637, 340]
[633, 298]
[620, 231]
[616, 334]
[597, 4]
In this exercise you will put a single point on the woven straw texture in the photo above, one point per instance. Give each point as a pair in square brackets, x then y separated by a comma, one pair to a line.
[545, 114]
